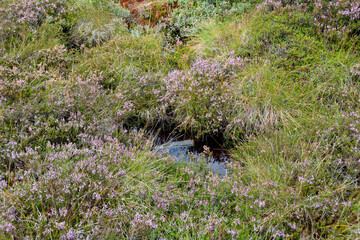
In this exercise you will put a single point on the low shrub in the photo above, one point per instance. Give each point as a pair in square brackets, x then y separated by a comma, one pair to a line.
[311, 178]
[335, 21]
[19, 16]
[186, 20]
[201, 98]
[72, 164]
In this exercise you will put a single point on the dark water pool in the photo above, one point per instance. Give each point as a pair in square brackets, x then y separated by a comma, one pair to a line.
[181, 146]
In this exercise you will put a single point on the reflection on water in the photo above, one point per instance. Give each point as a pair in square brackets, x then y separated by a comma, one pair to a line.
[181, 150]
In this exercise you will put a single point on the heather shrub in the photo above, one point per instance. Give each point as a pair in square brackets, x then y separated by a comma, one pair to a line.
[76, 202]
[34, 13]
[288, 70]
[139, 105]
[207, 99]
[54, 58]
[18, 17]
[104, 188]
[60, 110]
[201, 98]
[300, 162]
[26, 68]
[272, 82]
[149, 196]
[336, 21]
[16, 84]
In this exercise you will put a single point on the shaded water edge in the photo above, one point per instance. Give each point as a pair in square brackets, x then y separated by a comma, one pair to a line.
[184, 148]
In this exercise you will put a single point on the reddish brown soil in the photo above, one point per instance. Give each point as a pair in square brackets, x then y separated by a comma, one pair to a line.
[148, 12]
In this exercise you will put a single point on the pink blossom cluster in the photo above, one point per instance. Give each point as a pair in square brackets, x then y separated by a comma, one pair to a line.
[201, 97]
[31, 14]
[338, 18]
[335, 18]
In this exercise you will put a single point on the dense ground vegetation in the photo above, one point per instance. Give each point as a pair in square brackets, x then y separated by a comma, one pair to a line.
[276, 80]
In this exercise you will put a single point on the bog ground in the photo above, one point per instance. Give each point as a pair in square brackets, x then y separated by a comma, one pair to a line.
[86, 84]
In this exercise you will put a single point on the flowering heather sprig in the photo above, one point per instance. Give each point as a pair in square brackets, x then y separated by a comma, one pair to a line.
[121, 188]
[75, 173]
[343, 137]
[75, 186]
[355, 71]
[142, 96]
[335, 18]
[201, 98]
[338, 18]
[30, 13]
[307, 160]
